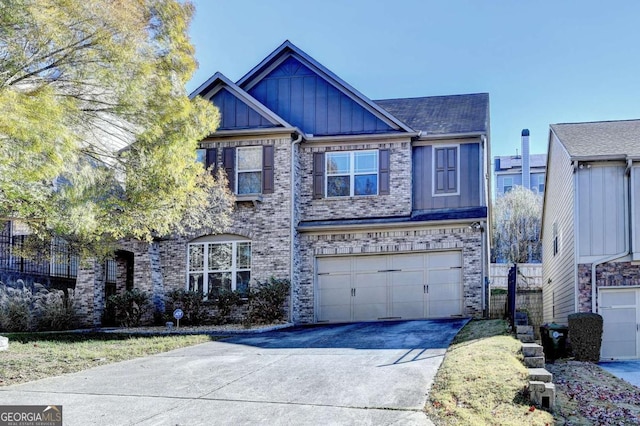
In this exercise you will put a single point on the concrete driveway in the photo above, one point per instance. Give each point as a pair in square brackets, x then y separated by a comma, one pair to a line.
[363, 373]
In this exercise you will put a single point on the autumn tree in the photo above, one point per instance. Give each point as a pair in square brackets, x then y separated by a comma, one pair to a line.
[517, 218]
[97, 133]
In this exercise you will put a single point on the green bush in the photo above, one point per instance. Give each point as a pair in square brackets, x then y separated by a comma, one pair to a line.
[225, 302]
[191, 304]
[129, 307]
[585, 334]
[267, 302]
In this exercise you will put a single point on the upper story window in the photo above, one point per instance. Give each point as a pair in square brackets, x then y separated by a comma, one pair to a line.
[351, 173]
[249, 170]
[507, 184]
[446, 169]
[537, 183]
[217, 266]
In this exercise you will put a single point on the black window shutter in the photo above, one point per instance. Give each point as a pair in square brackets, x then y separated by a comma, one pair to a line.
[267, 169]
[212, 159]
[383, 172]
[228, 161]
[318, 175]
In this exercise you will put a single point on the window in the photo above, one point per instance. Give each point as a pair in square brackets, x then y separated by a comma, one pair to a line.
[556, 239]
[351, 173]
[219, 266]
[207, 157]
[540, 183]
[507, 184]
[249, 170]
[446, 169]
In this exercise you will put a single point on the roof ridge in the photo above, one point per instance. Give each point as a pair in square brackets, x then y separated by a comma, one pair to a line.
[597, 122]
[434, 96]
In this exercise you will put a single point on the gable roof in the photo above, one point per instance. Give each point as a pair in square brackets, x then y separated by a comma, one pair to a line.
[440, 115]
[287, 50]
[219, 83]
[600, 139]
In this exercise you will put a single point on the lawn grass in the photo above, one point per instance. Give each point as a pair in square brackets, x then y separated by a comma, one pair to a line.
[482, 381]
[33, 356]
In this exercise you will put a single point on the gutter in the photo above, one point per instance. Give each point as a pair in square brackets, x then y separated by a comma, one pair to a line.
[627, 244]
[292, 230]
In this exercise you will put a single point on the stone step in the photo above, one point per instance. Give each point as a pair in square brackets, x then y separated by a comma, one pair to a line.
[526, 338]
[532, 349]
[534, 361]
[524, 329]
[542, 394]
[540, 375]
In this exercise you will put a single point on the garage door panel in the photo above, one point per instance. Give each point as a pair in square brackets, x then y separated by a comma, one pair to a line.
[383, 286]
[620, 315]
[334, 265]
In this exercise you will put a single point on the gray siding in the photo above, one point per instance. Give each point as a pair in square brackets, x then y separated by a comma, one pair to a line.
[559, 269]
[601, 201]
[470, 175]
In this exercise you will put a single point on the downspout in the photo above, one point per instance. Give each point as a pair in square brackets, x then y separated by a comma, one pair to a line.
[293, 224]
[627, 245]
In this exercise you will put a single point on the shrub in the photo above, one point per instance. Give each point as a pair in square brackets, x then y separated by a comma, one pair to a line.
[267, 302]
[27, 307]
[54, 310]
[191, 304]
[585, 334]
[225, 302]
[130, 307]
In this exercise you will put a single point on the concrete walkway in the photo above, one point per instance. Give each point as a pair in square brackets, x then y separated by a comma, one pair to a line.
[363, 373]
[626, 370]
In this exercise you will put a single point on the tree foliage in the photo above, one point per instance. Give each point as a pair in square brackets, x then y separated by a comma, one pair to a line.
[97, 133]
[517, 218]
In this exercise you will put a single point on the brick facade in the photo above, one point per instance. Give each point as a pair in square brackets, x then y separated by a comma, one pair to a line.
[612, 274]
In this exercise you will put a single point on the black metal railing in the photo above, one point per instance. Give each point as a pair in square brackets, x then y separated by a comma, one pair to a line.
[57, 260]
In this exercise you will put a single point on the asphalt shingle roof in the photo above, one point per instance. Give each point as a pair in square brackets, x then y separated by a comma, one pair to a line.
[442, 114]
[600, 138]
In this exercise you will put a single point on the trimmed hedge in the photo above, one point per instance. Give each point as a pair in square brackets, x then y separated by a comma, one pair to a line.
[585, 334]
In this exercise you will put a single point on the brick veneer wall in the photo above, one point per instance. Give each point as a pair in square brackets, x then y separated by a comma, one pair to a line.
[89, 293]
[398, 203]
[390, 242]
[612, 274]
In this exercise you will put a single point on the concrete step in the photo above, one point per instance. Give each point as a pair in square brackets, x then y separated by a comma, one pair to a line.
[534, 361]
[526, 338]
[532, 349]
[524, 329]
[542, 394]
[540, 375]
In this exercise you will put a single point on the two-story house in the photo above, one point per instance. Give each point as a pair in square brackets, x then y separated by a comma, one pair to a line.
[373, 209]
[591, 229]
[524, 169]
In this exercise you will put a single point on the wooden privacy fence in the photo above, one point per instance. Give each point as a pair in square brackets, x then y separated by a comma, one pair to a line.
[527, 300]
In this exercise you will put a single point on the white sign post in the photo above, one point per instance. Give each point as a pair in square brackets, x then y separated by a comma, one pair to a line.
[177, 314]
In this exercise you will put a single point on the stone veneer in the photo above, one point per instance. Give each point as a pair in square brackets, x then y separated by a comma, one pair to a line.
[421, 239]
[612, 274]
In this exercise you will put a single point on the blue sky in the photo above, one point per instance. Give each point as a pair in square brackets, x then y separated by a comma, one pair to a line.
[541, 62]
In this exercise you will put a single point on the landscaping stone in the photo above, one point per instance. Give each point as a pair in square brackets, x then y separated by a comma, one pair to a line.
[532, 349]
[540, 375]
[4, 343]
[543, 394]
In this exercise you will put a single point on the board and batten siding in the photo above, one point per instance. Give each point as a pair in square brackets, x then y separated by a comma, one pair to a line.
[601, 200]
[559, 269]
[469, 183]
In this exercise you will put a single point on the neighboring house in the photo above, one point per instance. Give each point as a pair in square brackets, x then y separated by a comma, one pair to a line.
[591, 229]
[526, 170]
[373, 209]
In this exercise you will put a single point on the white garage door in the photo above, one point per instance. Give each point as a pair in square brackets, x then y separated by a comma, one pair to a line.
[415, 285]
[620, 310]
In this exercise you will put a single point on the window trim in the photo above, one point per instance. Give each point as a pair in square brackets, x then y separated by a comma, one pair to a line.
[504, 184]
[433, 169]
[215, 240]
[352, 172]
[237, 170]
